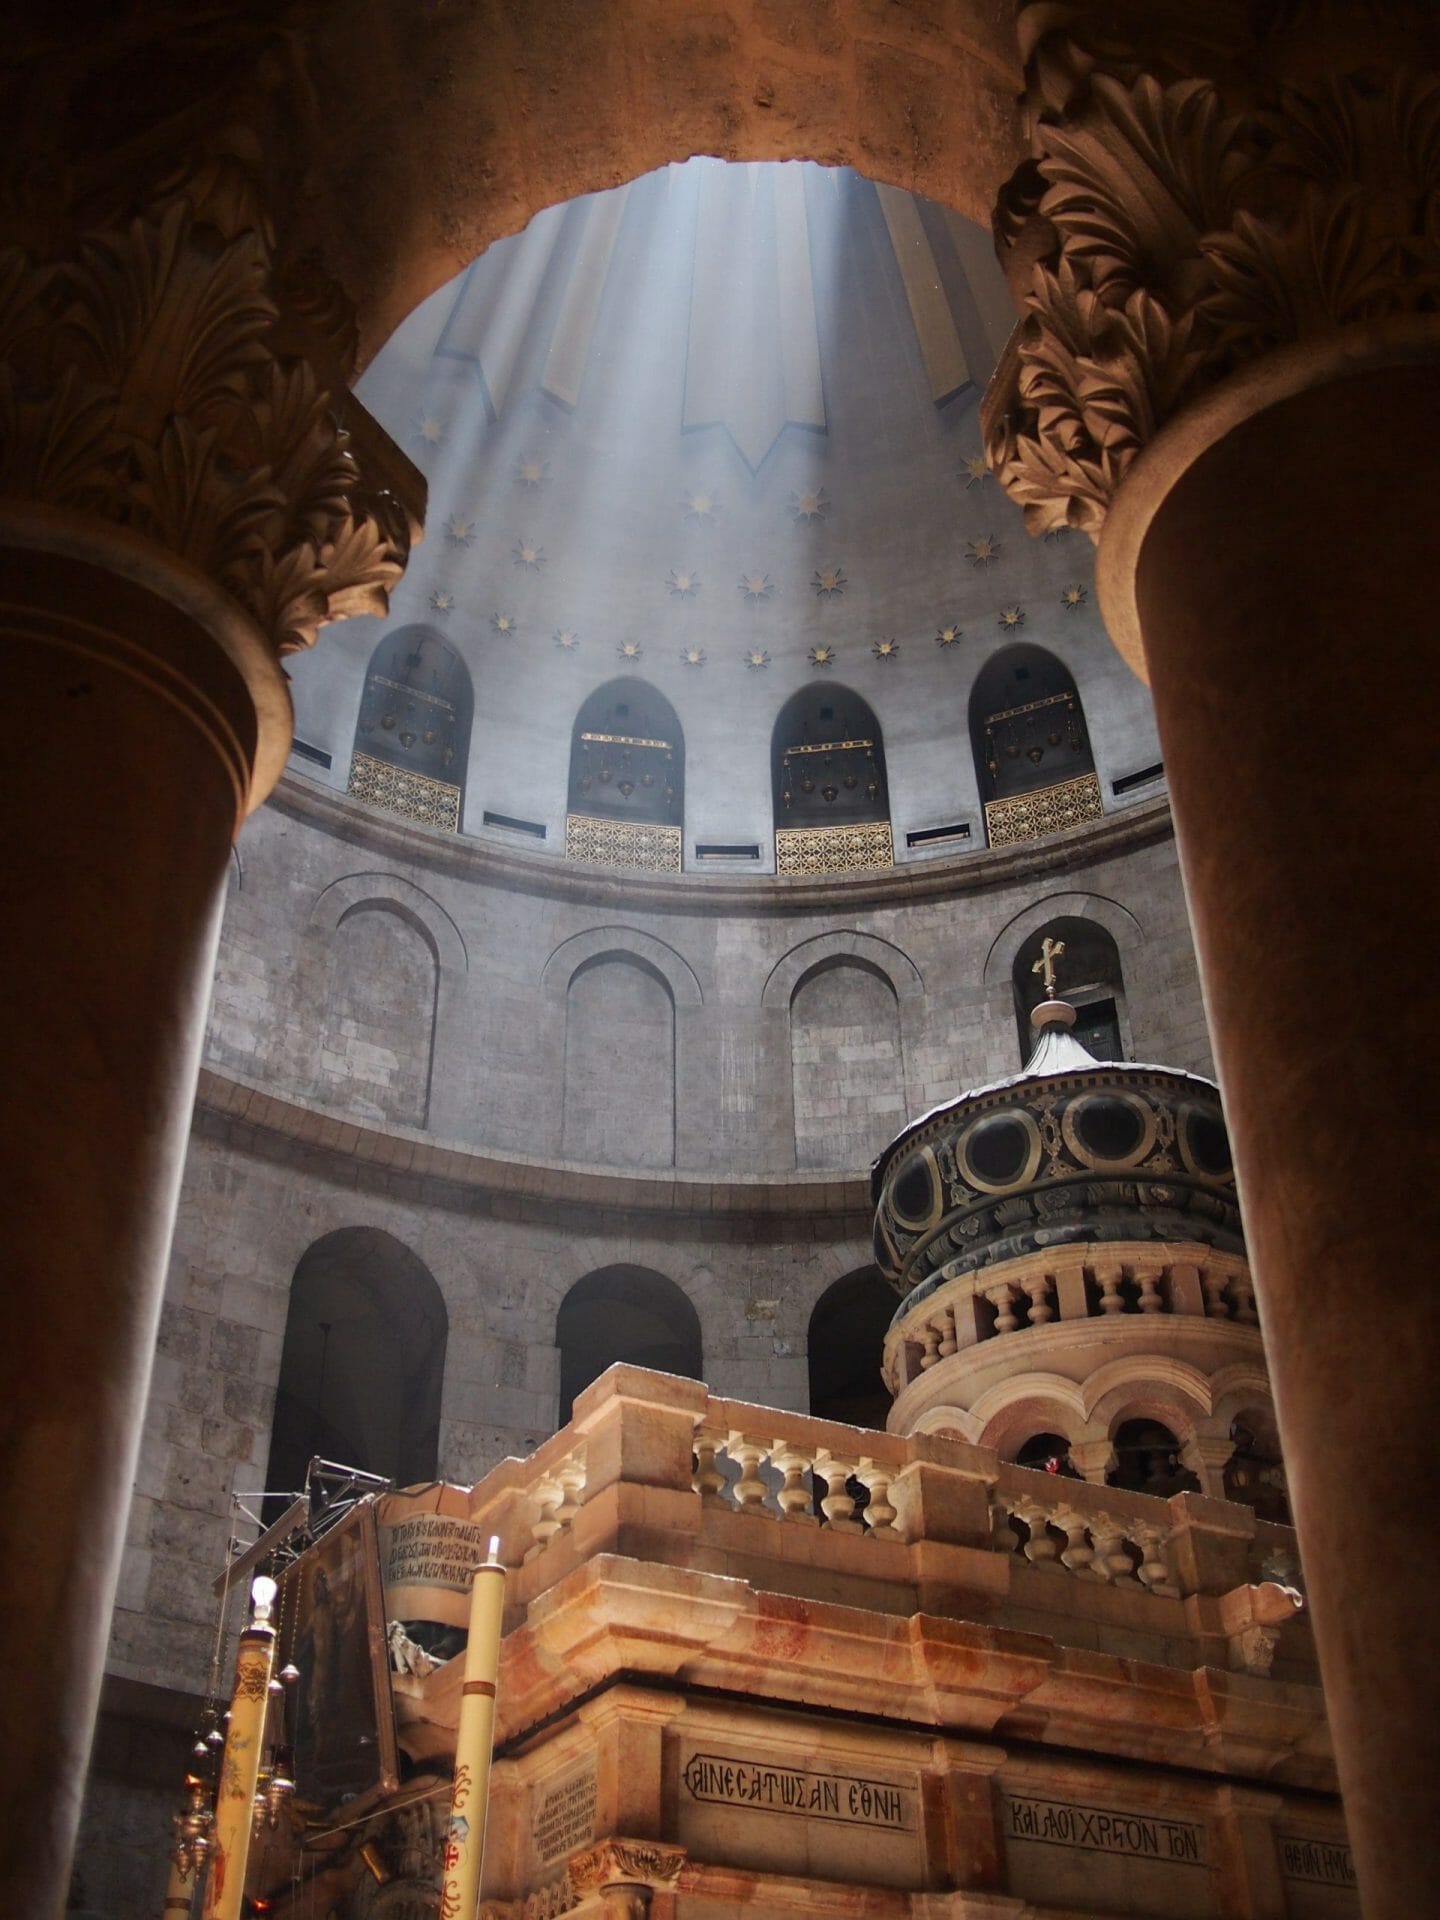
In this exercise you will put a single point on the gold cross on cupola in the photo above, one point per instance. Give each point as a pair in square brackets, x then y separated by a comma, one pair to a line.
[1050, 952]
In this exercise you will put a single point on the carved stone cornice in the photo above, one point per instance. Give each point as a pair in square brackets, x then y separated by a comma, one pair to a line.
[164, 372]
[1198, 197]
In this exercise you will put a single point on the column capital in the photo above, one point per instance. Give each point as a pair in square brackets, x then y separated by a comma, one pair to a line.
[1206, 188]
[167, 374]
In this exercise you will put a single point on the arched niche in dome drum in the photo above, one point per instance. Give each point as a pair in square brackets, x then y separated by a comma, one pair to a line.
[362, 1365]
[1033, 760]
[412, 739]
[624, 1314]
[1089, 976]
[626, 799]
[829, 794]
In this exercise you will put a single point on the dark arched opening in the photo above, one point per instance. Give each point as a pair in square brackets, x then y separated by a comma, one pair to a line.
[625, 1314]
[363, 1362]
[412, 740]
[1049, 1453]
[1147, 1460]
[829, 795]
[626, 805]
[846, 1346]
[1087, 974]
[1033, 761]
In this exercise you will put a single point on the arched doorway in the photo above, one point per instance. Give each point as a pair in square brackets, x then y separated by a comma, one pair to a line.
[1033, 761]
[626, 805]
[829, 794]
[363, 1362]
[629, 1314]
[845, 1347]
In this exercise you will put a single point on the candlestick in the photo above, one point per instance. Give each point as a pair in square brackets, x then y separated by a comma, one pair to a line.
[474, 1744]
[240, 1765]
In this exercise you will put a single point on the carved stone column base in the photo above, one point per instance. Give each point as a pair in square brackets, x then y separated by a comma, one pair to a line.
[1271, 553]
[143, 717]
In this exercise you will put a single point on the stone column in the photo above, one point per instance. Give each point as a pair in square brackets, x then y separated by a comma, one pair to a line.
[178, 509]
[1228, 373]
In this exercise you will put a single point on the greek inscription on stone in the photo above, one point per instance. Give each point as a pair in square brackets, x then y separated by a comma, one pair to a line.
[851, 1799]
[432, 1550]
[1321, 1862]
[1101, 1830]
[564, 1818]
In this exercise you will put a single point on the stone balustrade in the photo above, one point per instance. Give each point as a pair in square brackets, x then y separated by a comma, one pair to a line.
[660, 1470]
[1094, 1281]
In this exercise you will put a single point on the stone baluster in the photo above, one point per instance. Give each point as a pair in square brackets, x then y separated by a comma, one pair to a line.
[709, 1480]
[1077, 1553]
[930, 1348]
[747, 1455]
[793, 1497]
[571, 1475]
[549, 1496]
[1040, 1290]
[1108, 1274]
[1003, 1536]
[1242, 1292]
[1001, 1296]
[1154, 1569]
[1111, 1561]
[1217, 1307]
[879, 1515]
[1147, 1278]
[945, 1321]
[838, 1505]
[1039, 1548]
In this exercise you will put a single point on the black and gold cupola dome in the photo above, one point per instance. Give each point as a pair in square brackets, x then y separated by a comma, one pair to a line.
[1070, 1150]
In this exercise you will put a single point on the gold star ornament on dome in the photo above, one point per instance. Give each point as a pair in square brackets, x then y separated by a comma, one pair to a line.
[458, 531]
[682, 583]
[531, 472]
[441, 601]
[981, 552]
[948, 635]
[885, 649]
[756, 587]
[700, 508]
[809, 504]
[828, 582]
[693, 656]
[430, 429]
[630, 650]
[566, 639]
[526, 554]
[505, 623]
[822, 656]
[756, 657]
[977, 471]
[1073, 597]
[1012, 617]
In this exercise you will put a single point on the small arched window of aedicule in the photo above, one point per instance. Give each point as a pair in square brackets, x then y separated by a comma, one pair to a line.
[1147, 1460]
[628, 1314]
[627, 780]
[1032, 747]
[412, 740]
[1089, 976]
[363, 1362]
[846, 1347]
[828, 788]
[1047, 1453]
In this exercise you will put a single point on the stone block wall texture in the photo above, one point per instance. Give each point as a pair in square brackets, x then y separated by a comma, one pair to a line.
[619, 1094]
[848, 1068]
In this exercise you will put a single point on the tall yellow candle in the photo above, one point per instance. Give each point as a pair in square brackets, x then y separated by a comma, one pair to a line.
[240, 1767]
[474, 1744]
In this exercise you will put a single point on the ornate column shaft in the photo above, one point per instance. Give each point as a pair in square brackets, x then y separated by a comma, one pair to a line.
[1226, 250]
[179, 508]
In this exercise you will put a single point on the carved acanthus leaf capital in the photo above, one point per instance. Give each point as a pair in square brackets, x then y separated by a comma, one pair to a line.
[151, 377]
[1168, 230]
[619, 1862]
